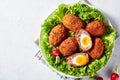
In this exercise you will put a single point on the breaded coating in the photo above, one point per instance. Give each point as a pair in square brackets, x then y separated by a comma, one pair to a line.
[68, 46]
[95, 28]
[73, 22]
[98, 48]
[57, 35]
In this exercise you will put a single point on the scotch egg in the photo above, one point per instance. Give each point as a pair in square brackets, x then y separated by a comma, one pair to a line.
[84, 40]
[78, 59]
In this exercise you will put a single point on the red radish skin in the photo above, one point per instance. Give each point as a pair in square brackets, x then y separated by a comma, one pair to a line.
[99, 78]
[56, 52]
[114, 76]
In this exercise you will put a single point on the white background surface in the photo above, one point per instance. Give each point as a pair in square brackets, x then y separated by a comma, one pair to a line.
[19, 27]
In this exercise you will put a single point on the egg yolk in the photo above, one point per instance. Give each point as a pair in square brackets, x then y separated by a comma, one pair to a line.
[86, 40]
[82, 60]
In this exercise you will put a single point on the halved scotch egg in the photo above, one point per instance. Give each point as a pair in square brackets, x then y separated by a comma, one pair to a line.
[78, 59]
[84, 40]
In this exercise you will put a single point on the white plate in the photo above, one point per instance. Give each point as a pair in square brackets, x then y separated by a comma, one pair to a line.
[106, 21]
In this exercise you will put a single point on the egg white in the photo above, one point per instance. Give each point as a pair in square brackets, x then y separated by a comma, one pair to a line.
[74, 60]
[81, 37]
